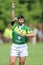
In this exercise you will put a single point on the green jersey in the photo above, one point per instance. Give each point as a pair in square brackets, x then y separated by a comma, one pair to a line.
[16, 33]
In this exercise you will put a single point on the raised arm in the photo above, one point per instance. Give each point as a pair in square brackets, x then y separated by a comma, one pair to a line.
[13, 13]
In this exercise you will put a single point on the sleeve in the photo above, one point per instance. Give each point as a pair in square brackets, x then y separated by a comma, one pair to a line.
[29, 30]
[12, 23]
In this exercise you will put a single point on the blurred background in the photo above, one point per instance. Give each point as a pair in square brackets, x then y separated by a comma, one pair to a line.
[32, 10]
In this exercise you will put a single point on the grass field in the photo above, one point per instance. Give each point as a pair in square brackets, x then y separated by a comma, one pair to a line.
[35, 54]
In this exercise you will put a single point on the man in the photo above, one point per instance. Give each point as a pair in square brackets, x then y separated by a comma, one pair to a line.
[40, 33]
[19, 34]
[8, 34]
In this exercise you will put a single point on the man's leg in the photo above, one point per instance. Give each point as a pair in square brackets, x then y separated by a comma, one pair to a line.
[12, 60]
[22, 60]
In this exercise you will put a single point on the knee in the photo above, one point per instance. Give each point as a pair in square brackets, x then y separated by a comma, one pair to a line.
[21, 62]
[12, 63]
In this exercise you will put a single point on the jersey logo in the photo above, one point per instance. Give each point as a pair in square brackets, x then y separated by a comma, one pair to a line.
[19, 37]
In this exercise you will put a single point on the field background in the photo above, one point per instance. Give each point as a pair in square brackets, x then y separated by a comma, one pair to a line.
[35, 54]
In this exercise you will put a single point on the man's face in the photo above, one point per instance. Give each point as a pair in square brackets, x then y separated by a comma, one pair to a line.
[20, 21]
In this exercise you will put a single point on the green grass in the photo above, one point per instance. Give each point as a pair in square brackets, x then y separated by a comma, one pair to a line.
[35, 54]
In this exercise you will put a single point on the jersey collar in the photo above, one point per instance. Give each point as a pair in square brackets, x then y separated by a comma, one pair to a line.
[21, 26]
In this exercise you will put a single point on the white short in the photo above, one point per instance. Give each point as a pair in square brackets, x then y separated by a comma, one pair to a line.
[19, 50]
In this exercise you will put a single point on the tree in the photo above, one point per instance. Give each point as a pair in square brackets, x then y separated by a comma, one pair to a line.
[31, 9]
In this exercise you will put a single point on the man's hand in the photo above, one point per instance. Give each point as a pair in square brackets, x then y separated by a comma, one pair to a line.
[15, 19]
[13, 4]
[22, 33]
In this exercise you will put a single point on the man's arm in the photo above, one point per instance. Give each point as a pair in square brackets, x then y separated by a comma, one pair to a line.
[31, 35]
[13, 18]
[12, 13]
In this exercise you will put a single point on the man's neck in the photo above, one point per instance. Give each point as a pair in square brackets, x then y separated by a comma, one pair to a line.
[21, 25]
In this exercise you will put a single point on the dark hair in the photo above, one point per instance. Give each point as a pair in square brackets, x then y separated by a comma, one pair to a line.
[20, 17]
